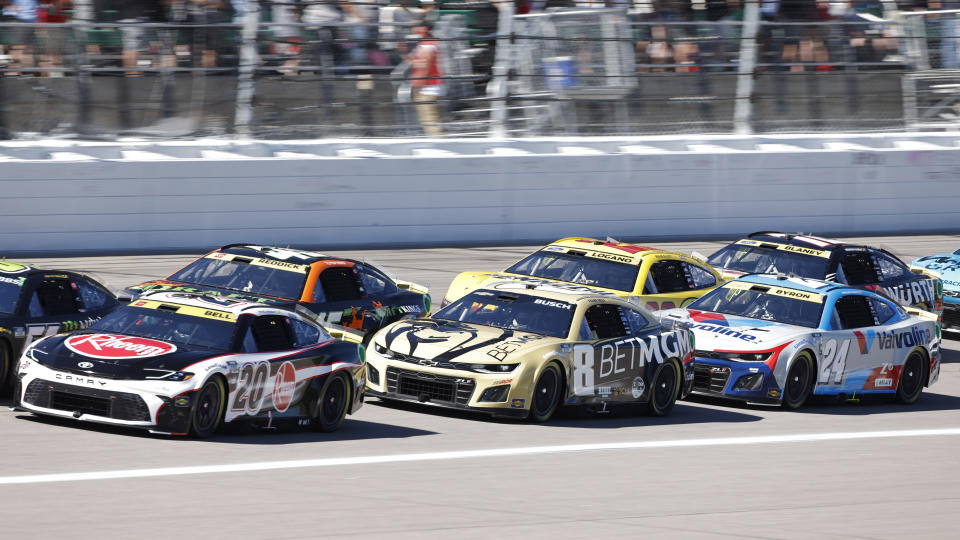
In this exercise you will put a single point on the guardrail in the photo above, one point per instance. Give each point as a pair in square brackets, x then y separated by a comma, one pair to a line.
[100, 197]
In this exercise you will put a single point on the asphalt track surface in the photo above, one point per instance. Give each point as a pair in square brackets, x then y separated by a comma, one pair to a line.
[711, 469]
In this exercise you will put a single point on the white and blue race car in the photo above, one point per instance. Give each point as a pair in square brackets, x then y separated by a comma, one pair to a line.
[947, 267]
[778, 340]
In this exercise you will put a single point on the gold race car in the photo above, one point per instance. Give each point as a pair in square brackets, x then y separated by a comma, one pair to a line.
[521, 350]
[649, 277]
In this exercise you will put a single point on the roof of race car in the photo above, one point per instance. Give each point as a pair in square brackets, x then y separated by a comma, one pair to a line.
[816, 286]
[280, 254]
[196, 304]
[609, 250]
[17, 270]
[566, 292]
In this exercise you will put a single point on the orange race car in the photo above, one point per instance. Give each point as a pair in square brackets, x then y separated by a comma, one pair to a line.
[342, 292]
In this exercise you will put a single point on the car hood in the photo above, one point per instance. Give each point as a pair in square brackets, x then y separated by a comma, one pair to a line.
[717, 332]
[162, 285]
[115, 356]
[945, 265]
[447, 341]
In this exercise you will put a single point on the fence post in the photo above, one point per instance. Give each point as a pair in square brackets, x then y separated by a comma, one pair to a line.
[743, 107]
[83, 12]
[247, 63]
[503, 61]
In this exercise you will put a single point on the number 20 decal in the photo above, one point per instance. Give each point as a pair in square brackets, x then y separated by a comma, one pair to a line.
[251, 387]
[834, 360]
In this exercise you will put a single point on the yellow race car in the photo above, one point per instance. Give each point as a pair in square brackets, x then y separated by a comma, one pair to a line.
[647, 276]
[522, 350]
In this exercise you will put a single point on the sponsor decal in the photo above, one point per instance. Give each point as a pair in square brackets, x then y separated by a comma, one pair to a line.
[883, 382]
[864, 339]
[912, 293]
[637, 388]
[182, 401]
[883, 377]
[554, 248]
[723, 331]
[52, 276]
[558, 285]
[517, 403]
[76, 379]
[501, 350]
[940, 263]
[192, 311]
[503, 381]
[611, 257]
[284, 386]
[283, 265]
[909, 338]
[113, 347]
[600, 365]
[12, 267]
[13, 281]
[85, 365]
[554, 304]
[805, 251]
[217, 315]
[774, 393]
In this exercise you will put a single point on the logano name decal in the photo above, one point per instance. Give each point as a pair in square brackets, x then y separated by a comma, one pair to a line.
[624, 358]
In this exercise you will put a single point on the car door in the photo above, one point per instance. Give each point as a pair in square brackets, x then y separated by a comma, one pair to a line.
[852, 349]
[674, 283]
[50, 304]
[897, 281]
[254, 391]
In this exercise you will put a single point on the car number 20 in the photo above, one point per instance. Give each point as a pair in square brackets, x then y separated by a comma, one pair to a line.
[251, 387]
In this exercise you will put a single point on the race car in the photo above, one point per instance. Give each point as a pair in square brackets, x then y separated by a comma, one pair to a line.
[819, 258]
[182, 363]
[35, 303]
[351, 294]
[522, 350]
[946, 266]
[774, 339]
[653, 278]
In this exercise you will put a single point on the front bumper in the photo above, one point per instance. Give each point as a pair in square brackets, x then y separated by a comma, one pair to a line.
[448, 388]
[158, 406]
[713, 377]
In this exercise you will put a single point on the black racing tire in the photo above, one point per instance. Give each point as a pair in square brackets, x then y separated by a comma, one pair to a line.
[546, 394]
[7, 372]
[332, 404]
[911, 381]
[799, 383]
[208, 408]
[664, 388]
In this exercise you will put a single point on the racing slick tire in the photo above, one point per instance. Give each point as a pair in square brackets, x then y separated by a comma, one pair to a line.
[332, 404]
[6, 368]
[799, 383]
[546, 394]
[664, 389]
[910, 385]
[208, 408]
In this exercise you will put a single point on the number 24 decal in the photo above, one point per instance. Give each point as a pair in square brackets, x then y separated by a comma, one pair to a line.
[834, 360]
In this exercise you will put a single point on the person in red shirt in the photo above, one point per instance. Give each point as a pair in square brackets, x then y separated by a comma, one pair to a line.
[427, 81]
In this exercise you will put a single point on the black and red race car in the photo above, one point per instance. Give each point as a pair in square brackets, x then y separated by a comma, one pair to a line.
[342, 292]
[35, 303]
[179, 363]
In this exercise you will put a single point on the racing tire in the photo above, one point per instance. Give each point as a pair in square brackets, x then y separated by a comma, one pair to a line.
[799, 383]
[6, 368]
[208, 408]
[910, 385]
[332, 404]
[546, 395]
[664, 389]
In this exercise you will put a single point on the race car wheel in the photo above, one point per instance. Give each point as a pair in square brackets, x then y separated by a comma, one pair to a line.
[664, 389]
[208, 408]
[546, 395]
[911, 379]
[799, 381]
[332, 404]
[6, 367]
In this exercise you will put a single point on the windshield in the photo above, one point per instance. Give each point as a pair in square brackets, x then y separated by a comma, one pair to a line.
[761, 260]
[514, 311]
[9, 292]
[168, 326]
[787, 306]
[578, 269]
[241, 275]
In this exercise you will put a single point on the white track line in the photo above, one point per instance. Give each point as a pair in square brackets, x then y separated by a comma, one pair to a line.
[468, 454]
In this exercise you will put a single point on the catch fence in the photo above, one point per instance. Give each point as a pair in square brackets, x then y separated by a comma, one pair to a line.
[315, 74]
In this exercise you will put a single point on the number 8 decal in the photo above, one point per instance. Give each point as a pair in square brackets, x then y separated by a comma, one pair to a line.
[583, 370]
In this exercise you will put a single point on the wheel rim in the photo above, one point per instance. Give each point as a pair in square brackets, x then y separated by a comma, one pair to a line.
[545, 392]
[334, 400]
[912, 372]
[666, 382]
[208, 407]
[798, 379]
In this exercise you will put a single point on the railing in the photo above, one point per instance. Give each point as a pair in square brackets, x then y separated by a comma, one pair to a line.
[598, 71]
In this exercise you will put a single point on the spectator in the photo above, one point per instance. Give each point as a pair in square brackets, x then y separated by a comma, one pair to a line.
[208, 14]
[131, 12]
[403, 11]
[360, 36]
[288, 37]
[798, 43]
[21, 51]
[52, 40]
[427, 81]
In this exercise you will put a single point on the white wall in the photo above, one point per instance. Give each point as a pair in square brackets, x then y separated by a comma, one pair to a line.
[149, 196]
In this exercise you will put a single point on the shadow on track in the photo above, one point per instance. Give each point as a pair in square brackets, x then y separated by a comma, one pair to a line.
[352, 430]
[875, 404]
[624, 415]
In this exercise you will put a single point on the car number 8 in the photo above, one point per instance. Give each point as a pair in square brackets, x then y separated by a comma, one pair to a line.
[583, 370]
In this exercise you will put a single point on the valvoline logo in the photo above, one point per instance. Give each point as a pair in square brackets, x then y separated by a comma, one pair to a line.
[113, 347]
[712, 318]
